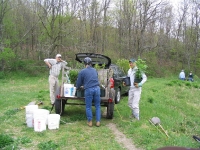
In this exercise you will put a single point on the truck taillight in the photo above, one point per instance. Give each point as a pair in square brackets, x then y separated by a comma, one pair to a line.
[110, 100]
[112, 83]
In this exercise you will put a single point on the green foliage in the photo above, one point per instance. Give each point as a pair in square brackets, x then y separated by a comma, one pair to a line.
[41, 95]
[7, 54]
[123, 64]
[76, 65]
[27, 67]
[50, 145]
[2, 75]
[98, 67]
[73, 75]
[24, 140]
[142, 68]
[5, 140]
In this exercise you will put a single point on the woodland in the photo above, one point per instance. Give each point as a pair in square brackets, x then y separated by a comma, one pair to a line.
[165, 35]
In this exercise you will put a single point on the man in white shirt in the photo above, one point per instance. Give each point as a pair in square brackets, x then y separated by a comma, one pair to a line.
[182, 75]
[135, 91]
[55, 65]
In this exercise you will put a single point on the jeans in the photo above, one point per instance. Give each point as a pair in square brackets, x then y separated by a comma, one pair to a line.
[93, 95]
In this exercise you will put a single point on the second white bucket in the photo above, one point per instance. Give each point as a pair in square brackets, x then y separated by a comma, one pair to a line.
[53, 121]
[29, 114]
[40, 119]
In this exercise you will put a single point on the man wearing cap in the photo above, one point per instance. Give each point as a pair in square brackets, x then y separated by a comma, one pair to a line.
[135, 89]
[88, 78]
[55, 65]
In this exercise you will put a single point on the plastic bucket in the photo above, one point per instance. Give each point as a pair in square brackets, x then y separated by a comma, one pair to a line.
[74, 91]
[29, 114]
[53, 121]
[68, 90]
[40, 119]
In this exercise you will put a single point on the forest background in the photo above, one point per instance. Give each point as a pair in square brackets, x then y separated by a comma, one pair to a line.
[166, 36]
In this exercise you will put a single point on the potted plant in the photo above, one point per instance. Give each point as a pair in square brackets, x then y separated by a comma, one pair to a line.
[141, 68]
[73, 75]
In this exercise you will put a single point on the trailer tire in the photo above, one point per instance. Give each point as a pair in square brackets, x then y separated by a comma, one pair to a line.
[59, 103]
[59, 106]
[110, 109]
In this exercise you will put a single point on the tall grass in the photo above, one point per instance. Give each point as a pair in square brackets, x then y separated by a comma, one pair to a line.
[175, 102]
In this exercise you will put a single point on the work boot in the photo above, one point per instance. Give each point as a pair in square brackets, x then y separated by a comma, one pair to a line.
[131, 116]
[97, 123]
[89, 123]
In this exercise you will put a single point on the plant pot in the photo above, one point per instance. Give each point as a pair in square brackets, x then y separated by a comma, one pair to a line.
[137, 80]
[127, 81]
[80, 93]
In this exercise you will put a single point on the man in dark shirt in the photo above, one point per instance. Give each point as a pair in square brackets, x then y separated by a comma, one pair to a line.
[88, 78]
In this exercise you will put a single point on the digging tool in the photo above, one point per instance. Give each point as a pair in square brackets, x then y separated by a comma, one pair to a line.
[196, 138]
[156, 121]
[31, 103]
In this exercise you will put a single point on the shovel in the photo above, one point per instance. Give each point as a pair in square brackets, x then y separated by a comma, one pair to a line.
[31, 103]
[156, 121]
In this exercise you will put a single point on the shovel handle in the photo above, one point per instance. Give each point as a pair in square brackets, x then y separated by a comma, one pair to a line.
[163, 130]
[155, 126]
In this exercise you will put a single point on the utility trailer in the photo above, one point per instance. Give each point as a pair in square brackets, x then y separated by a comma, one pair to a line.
[107, 93]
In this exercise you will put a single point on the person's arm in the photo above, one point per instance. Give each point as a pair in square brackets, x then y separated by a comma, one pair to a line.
[79, 81]
[48, 63]
[63, 62]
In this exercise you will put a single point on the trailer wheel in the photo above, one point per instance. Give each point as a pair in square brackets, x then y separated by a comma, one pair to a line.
[59, 103]
[110, 109]
[59, 106]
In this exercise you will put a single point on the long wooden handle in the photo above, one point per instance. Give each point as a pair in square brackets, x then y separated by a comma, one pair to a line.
[155, 126]
[163, 130]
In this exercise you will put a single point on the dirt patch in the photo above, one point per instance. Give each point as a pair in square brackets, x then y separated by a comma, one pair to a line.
[121, 138]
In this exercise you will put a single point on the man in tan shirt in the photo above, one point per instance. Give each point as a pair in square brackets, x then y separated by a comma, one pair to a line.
[55, 65]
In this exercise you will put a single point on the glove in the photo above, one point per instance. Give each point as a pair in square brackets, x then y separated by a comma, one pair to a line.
[140, 84]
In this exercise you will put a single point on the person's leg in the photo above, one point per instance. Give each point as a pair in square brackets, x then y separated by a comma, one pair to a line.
[88, 104]
[55, 88]
[130, 98]
[52, 83]
[135, 104]
[97, 104]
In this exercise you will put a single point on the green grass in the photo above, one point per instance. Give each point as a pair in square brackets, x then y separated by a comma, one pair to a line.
[175, 102]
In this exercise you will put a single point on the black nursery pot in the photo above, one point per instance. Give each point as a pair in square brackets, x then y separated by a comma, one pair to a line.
[137, 80]
[127, 81]
[80, 93]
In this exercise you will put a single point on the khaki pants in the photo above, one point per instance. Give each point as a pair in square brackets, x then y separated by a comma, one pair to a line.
[53, 85]
[134, 95]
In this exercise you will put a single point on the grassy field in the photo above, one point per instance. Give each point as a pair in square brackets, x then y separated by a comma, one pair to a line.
[175, 102]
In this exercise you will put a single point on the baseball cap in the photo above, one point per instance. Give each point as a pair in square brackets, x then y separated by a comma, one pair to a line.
[132, 60]
[58, 55]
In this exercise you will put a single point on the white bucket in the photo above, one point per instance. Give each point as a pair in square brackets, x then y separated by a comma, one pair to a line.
[40, 119]
[53, 121]
[29, 114]
[74, 91]
[68, 90]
